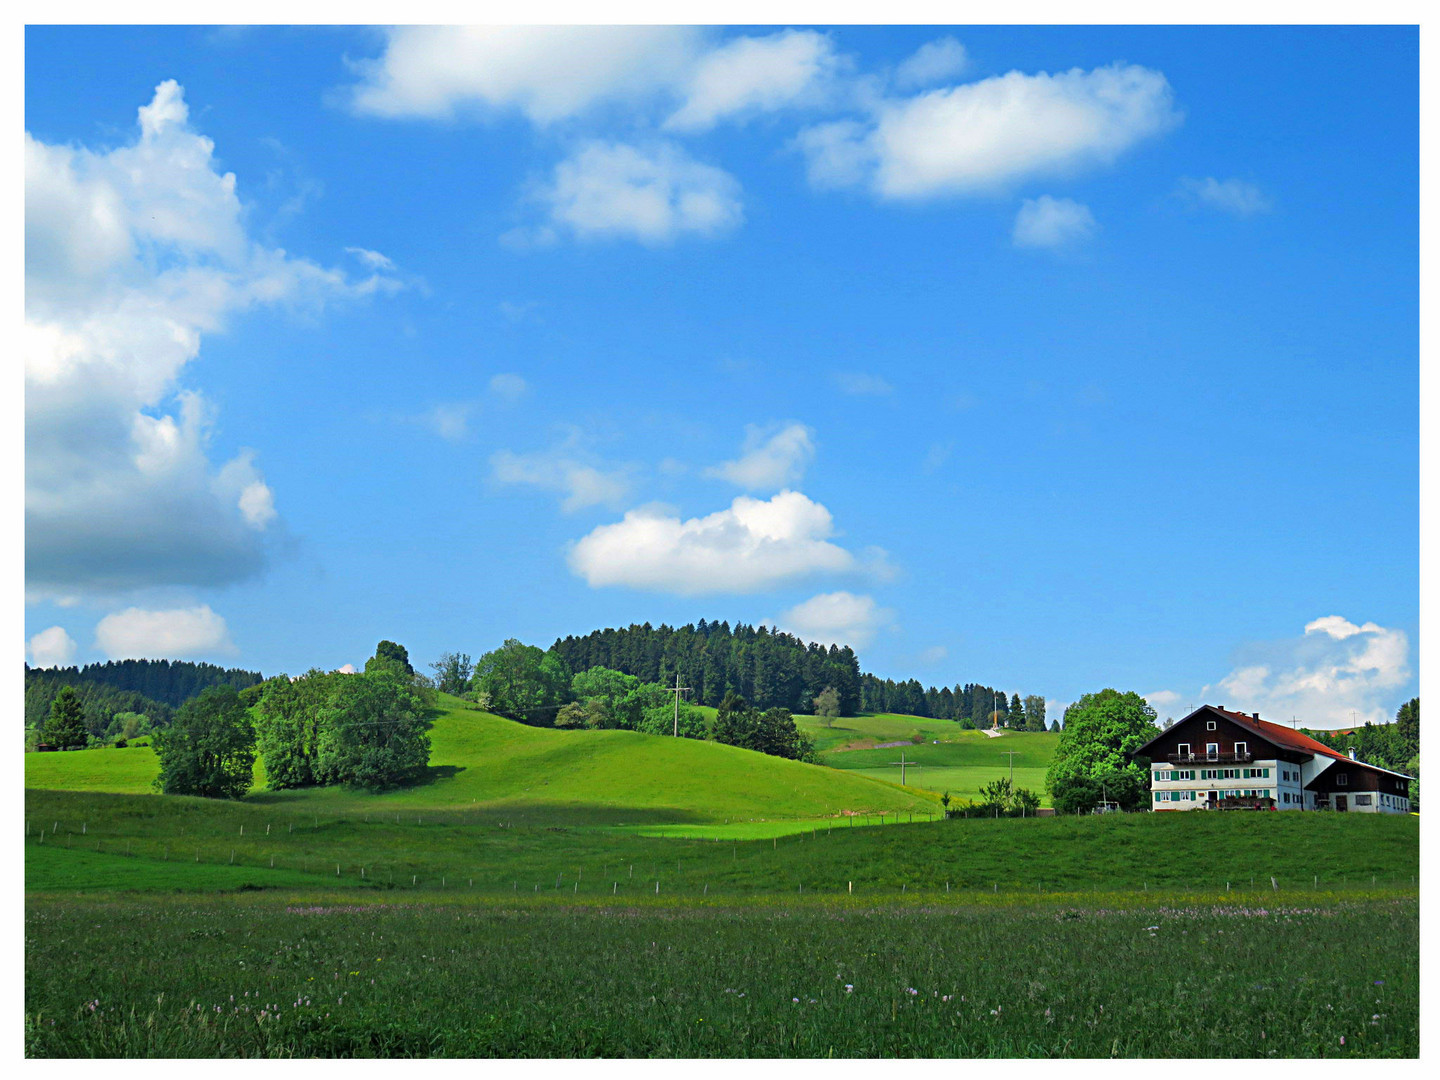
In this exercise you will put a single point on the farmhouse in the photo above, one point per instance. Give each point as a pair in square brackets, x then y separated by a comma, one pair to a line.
[1218, 758]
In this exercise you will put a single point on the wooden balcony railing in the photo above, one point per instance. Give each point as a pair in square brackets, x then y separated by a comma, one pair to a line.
[1202, 758]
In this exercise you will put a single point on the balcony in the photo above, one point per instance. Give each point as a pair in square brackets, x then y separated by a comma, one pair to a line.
[1210, 759]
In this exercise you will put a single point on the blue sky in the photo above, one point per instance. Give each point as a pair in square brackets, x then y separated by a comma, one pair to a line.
[1049, 358]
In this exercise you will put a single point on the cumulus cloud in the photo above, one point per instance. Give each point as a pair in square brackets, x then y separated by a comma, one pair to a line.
[933, 62]
[862, 385]
[982, 136]
[654, 194]
[1336, 669]
[346, 669]
[51, 648]
[1163, 702]
[178, 633]
[132, 255]
[1051, 223]
[545, 73]
[1232, 196]
[934, 654]
[753, 74]
[837, 618]
[751, 545]
[770, 458]
[568, 470]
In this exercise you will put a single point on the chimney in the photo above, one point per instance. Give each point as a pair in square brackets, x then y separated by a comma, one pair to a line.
[1351, 749]
[1256, 715]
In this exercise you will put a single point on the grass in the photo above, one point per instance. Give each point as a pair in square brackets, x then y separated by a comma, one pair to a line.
[492, 855]
[266, 975]
[669, 898]
[479, 760]
[961, 762]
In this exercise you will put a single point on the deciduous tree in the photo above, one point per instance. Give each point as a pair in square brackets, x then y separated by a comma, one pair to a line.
[209, 748]
[1092, 758]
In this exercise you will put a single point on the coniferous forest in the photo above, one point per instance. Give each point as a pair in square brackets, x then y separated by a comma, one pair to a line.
[773, 669]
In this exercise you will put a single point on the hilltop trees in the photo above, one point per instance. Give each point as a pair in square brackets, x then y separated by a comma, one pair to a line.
[523, 681]
[65, 727]
[389, 654]
[287, 721]
[1034, 713]
[1091, 761]
[738, 723]
[209, 748]
[452, 673]
[827, 705]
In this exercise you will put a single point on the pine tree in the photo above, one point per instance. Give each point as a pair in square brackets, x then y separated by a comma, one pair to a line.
[65, 729]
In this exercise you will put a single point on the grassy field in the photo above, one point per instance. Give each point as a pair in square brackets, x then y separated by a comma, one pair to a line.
[540, 774]
[663, 897]
[314, 975]
[951, 759]
[490, 855]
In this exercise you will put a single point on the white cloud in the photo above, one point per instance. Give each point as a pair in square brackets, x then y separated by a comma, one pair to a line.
[546, 73]
[1335, 670]
[934, 654]
[770, 458]
[51, 648]
[346, 669]
[654, 194]
[1050, 222]
[862, 385]
[450, 420]
[837, 618]
[1163, 702]
[372, 259]
[568, 470]
[750, 546]
[933, 62]
[1232, 196]
[132, 256]
[509, 387]
[178, 633]
[980, 137]
[752, 74]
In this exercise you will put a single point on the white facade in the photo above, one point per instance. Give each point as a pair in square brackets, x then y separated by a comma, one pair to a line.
[1191, 786]
[1186, 787]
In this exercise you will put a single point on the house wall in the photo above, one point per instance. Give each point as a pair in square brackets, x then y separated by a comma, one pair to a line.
[1187, 787]
[1366, 790]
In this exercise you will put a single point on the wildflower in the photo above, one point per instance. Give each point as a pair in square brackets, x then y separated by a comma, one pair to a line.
[1379, 982]
[795, 1000]
[1342, 1040]
[849, 988]
[911, 991]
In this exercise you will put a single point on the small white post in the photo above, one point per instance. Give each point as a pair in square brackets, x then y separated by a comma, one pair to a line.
[850, 887]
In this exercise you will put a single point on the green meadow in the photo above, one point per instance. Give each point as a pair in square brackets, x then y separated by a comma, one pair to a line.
[576, 893]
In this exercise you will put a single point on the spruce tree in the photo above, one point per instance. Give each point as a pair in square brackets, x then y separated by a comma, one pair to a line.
[65, 729]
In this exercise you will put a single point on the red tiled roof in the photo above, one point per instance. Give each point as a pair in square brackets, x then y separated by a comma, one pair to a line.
[1281, 735]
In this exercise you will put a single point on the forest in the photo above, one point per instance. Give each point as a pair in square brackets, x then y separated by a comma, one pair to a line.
[773, 669]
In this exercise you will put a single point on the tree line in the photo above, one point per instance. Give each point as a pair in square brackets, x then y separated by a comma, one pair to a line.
[363, 729]
[774, 669]
[170, 682]
[102, 713]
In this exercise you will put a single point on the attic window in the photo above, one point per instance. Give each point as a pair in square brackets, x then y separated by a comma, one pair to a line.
[1343, 780]
[1210, 725]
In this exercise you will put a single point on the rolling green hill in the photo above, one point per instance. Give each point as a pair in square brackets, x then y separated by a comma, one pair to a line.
[479, 760]
[954, 759]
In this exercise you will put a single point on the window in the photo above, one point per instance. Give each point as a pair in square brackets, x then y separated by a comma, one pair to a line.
[1343, 780]
[1210, 725]
[1184, 749]
[1362, 800]
[1242, 748]
[1212, 749]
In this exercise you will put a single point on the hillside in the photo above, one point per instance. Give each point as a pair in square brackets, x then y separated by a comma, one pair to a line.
[954, 759]
[482, 761]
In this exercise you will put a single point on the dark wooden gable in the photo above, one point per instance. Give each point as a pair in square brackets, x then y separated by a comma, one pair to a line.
[1195, 732]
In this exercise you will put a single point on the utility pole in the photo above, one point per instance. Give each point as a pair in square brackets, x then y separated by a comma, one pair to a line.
[902, 763]
[676, 690]
[1011, 755]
